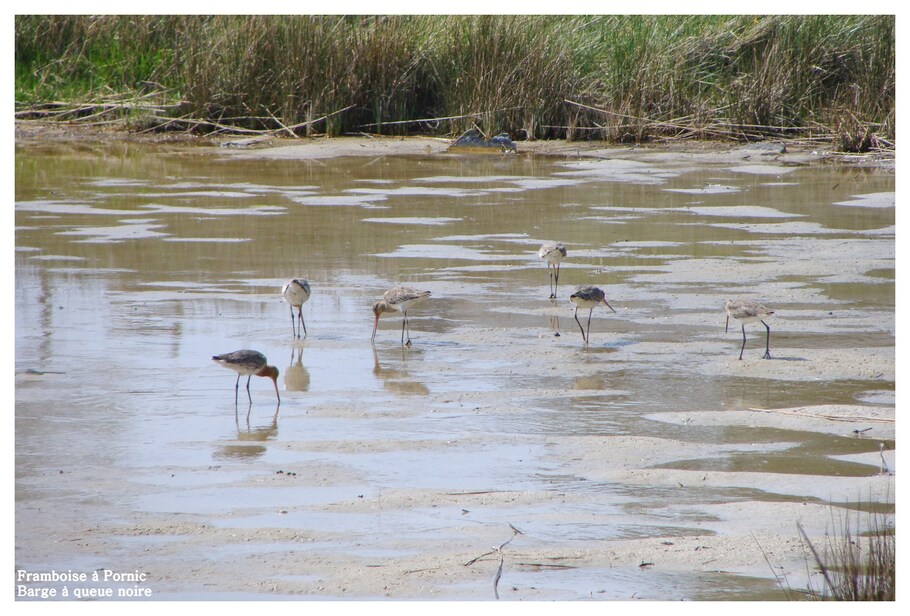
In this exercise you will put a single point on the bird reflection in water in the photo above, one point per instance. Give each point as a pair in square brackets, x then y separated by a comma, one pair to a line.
[397, 379]
[554, 320]
[250, 442]
[296, 377]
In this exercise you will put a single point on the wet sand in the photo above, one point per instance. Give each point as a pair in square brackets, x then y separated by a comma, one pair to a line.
[323, 521]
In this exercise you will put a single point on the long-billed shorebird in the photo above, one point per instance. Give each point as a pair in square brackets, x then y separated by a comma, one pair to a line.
[249, 363]
[296, 293]
[588, 297]
[748, 311]
[398, 299]
[553, 253]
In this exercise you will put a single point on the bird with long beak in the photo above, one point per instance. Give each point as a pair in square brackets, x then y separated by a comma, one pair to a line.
[398, 299]
[296, 292]
[553, 253]
[749, 311]
[588, 297]
[248, 363]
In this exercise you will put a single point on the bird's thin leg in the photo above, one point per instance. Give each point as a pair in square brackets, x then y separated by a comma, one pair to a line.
[744, 342]
[293, 324]
[550, 271]
[767, 354]
[248, 388]
[727, 326]
[590, 312]
[583, 337]
[557, 280]
[302, 323]
[236, 388]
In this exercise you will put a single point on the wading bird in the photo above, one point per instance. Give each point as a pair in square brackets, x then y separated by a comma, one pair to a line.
[748, 311]
[296, 293]
[553, 253]
[249, 363]
[398, 299]
[588, 297]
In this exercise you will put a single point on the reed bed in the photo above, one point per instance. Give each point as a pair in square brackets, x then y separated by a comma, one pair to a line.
[617, 78]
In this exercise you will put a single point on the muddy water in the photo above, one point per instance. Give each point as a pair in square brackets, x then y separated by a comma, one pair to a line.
[135, 263]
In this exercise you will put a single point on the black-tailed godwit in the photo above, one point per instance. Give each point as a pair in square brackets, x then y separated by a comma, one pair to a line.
[748, 311]
[398, 299]
[296, 293]
[249, 363]
[553, 253]
[588, 297]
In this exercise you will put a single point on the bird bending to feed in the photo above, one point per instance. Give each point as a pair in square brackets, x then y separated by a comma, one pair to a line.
[749, 311]
[296, 293]
[249, 363]
[553, 253]
[398, 299]
[588, 297]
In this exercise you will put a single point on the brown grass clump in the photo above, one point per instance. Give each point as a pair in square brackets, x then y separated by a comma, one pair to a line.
[856, 568]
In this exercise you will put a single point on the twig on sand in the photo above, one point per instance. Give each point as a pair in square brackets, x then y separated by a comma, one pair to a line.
[497, 576]
[495, 550]
[823, 416]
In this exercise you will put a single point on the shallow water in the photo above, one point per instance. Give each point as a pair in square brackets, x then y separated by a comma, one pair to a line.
[136, 263]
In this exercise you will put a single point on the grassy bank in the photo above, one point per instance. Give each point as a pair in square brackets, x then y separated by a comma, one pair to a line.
[619, 78]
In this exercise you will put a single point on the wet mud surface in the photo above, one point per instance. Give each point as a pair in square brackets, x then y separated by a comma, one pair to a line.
[650, 463]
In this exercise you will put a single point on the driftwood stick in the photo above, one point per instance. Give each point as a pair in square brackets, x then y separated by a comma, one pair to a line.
[820, 416]
[623, 115]
[440, 119]
[497, 576]
[283, 127]
[325, 117]
[59, 111]
[717, 128]
[497, 550]
[194, 122]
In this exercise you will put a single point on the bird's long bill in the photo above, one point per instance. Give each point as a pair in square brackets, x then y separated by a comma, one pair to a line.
[375, 327]
[608, 305]
[727, 326]
[275, 383]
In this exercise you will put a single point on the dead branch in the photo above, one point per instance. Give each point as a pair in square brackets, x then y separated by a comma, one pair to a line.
[59, 111]
[283, 127]
[440, 119]
[497, 550]
[823, 416]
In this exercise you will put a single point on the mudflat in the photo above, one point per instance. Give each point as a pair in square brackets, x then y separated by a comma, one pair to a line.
[500, 455]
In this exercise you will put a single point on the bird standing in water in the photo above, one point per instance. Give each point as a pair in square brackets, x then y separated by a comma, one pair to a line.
[749, 311]
[553, 253]
[588, 297]
[398, 299]
[296, 293]
[249, 363]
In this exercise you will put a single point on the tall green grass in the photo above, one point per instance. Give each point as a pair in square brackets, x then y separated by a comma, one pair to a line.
[620, 78]
[856, 567]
